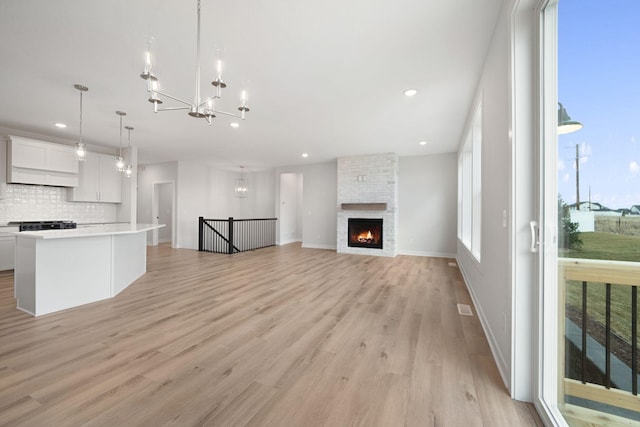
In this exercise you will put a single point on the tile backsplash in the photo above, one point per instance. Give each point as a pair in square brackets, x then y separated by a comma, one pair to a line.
[36, 202]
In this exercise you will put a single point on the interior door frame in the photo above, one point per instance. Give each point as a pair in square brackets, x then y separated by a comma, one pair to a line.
[155, 190]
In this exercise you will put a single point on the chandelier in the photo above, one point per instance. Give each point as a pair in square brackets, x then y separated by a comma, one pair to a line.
[199, 108]
[241, 187]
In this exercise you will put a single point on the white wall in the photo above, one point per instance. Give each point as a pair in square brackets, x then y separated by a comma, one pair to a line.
[489, 281]
[193, 195]
[427, 187]
[319, 203]
[147, 176]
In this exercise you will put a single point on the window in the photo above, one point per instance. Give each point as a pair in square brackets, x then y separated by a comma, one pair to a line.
[470, 186]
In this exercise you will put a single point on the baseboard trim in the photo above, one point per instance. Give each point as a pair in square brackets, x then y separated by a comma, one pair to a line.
[315, 246]
[427, 254]
[503, 367]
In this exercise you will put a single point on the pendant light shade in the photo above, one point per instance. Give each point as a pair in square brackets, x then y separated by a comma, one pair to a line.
[81, 148]
[128, 170]
[565, 124]
[120, 160]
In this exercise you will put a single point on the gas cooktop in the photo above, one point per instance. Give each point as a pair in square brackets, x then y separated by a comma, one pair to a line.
[43, 225]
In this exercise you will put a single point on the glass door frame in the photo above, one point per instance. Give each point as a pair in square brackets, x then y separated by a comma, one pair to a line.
[550, 336]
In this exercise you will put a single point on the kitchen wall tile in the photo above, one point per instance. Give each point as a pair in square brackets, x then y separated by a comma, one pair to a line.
[35, 202]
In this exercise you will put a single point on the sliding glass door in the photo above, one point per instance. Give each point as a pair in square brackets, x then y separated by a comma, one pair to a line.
[590, 199]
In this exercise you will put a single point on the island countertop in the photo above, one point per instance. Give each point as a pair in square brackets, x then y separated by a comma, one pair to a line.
[84, 231]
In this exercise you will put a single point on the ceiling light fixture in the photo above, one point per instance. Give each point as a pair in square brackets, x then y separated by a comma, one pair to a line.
[410, 92]
[565, 124]
[81, 149]
[234, 124]
[128, 170]
[305, 155]
[199, 108]
[60, 125]
[423, 142]
[241, 185]
[120, 159]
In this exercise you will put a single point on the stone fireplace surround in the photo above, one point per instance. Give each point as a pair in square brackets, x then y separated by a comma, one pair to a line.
[367, 188]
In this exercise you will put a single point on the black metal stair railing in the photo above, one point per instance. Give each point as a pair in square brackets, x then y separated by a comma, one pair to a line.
[228, 236]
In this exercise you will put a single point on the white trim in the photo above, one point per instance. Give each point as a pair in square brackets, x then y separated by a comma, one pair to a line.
[427, 254]
[315, 246]
[503, 367]
[287, 241]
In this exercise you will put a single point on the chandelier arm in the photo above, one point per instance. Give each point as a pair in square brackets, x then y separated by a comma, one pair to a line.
[211, 98]
[174, 98]
[229, 114]
[174, 108]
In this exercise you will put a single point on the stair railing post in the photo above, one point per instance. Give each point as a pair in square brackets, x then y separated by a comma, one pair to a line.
[200, 233]
[230, 251]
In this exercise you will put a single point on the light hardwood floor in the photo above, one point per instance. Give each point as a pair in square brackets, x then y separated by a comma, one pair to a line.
[282, 336]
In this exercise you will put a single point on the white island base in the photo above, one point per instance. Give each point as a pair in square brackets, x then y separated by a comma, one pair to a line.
[60, 269]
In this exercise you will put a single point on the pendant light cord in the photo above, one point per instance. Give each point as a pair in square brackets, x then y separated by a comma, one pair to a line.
[80, 116]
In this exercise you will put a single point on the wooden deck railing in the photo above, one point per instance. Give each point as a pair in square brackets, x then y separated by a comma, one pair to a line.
[582, 274]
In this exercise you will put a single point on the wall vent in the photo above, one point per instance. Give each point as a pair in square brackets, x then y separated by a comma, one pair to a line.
[465, 310]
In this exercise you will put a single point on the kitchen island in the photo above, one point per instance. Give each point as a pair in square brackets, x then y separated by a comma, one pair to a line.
[60, 269]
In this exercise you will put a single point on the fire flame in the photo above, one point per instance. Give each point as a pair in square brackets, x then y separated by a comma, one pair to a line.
[365, 237]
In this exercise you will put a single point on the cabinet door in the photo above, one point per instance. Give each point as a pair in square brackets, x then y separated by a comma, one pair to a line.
[87, 189]
[110, 180]
[7, 252]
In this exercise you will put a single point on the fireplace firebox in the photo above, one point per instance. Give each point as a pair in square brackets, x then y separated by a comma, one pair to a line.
[365, 233]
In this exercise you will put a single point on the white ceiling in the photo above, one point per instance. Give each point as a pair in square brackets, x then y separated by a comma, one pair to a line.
[326, 77]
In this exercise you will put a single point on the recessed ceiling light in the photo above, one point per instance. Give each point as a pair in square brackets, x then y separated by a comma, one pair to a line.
[305, 155]
[60, 125]
[234, 124]
[423, 142]
[410, 92]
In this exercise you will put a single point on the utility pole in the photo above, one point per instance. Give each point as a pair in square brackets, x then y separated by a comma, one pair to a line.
[577, 177]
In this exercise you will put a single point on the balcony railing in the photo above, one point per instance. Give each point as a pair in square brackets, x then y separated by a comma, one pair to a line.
[599, 302]
[228, 236]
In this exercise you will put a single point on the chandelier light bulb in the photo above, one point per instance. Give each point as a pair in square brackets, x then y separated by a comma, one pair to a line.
[128, 171]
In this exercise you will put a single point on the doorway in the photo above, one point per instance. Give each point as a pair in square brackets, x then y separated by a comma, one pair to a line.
[163, 210]
[290, 215]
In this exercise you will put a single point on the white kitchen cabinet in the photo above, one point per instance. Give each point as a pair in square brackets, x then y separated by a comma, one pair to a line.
[7, 247]
[99, 180]
[30, 161]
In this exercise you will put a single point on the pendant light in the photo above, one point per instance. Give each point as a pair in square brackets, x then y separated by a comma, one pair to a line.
[565, 124]
[81, 148]
[128, 170]
[241, 187]
[120, 159]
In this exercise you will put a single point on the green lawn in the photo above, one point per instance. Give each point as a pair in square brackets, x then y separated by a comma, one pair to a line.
[607, 246]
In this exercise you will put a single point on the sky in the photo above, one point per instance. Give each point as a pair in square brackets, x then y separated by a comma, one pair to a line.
[599, 85]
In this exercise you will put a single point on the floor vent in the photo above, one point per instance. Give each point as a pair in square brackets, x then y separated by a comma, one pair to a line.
[452, 264]
[465, 310]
